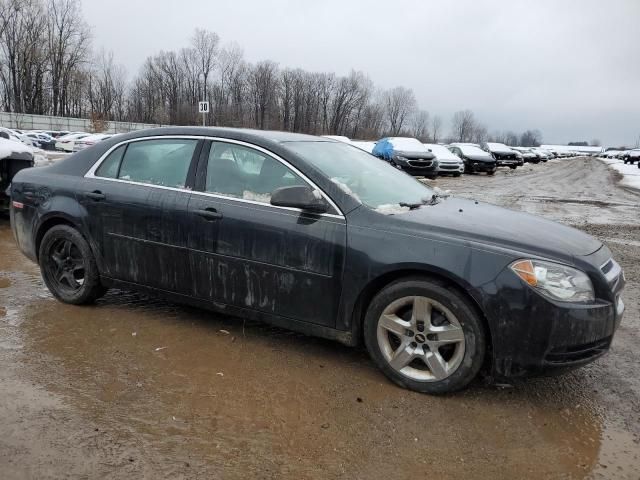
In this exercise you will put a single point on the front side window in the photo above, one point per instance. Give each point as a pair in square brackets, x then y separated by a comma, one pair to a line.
[162, 162]
[366, 178]
[242, 172]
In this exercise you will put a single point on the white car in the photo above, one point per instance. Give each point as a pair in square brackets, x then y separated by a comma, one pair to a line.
[448, 162]
[89, 141]
[67, 142]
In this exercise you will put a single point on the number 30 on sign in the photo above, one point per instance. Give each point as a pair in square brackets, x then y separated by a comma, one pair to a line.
[203, 107]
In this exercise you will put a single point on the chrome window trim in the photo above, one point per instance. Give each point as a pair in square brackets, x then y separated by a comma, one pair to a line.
[91, 172]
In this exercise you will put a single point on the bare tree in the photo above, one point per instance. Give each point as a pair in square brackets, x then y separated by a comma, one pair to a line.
[511, 138]
[436, 127]
[480, 133]
[420, 125]
[530, 138]
[462, 125]
[205, 45]
[262, 87]
[400, 103]
[22, 56]
[68, 47]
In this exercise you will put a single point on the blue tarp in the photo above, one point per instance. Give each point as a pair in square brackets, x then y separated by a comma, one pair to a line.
[383, 149]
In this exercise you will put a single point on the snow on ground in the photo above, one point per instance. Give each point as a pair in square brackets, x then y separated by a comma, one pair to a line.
[630, 172]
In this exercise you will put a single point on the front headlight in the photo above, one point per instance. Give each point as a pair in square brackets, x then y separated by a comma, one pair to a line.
[401, 158]
[555, 281]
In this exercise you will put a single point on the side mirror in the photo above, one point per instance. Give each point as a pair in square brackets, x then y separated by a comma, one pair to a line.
[299, 196]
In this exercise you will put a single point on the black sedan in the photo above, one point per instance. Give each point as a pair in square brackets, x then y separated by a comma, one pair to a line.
[475, 159]
[320, 237]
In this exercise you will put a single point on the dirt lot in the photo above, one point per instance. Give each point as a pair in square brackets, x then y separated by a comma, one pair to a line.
[139, 388]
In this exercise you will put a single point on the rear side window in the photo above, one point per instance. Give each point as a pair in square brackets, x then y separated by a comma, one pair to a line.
[109, 168]
[158, 162]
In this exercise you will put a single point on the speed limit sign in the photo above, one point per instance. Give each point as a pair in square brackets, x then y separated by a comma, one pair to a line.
[203, 107]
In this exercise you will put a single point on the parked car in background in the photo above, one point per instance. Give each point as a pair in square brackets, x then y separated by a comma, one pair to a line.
[475, 159]
[505, 156]
[544, 155]
[90, 140]
[528, 155]
[364, 145]
[448, 162]
[407, 154]
[43, 140]
[67, 142]
[632, 156]
[14, 156]
[312, 235]
[18, 136]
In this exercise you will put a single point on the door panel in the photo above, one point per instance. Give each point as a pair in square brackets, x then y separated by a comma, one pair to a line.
[268, 259]
[141, 228]
[254, 255]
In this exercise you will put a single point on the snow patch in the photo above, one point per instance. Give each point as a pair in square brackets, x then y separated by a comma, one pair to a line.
[391, 209]
[256, 197]
[345, 188]
[630, 173]
[8, 147]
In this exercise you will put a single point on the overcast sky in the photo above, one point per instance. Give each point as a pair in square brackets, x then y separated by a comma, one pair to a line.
[568, 68]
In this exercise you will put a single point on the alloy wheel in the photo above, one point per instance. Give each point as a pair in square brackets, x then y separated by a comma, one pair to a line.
[65, 265]
[420, 338]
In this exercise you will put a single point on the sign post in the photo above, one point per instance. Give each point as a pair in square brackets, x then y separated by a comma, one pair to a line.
[203, 108]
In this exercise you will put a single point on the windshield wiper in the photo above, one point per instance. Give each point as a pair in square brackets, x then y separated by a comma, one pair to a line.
[434, 200]
[412, 206]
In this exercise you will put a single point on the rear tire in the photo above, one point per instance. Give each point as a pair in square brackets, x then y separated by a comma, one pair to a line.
[68, 266]
[491, 173]
[425, 336]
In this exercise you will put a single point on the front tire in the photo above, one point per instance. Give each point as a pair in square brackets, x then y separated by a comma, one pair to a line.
[425, 336]
[68, 266]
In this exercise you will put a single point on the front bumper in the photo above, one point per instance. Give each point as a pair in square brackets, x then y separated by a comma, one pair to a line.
[476, 166]
[450, 167]
[533, 335]
[420, 168]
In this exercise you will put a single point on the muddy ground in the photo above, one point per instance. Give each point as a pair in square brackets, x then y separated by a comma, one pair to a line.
[140, 388]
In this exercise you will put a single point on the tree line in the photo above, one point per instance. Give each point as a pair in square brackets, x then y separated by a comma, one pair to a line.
[48, 67]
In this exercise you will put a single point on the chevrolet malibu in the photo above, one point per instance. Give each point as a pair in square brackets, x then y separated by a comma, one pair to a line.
[319, 236]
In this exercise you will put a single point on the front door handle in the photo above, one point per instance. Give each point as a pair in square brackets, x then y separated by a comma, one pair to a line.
[209, 214]
[95, 195]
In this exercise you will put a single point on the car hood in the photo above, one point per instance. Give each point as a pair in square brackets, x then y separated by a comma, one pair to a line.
[410, 154]
[489, 224]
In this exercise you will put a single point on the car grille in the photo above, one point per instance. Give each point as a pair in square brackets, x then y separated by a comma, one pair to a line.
[450, 166]
[420, 163]
[577, 353]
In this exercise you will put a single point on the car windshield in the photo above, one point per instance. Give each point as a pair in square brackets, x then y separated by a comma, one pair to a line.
[370, 180]
[471, 150]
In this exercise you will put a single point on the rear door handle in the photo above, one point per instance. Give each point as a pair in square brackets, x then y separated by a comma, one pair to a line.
[209, 214]
[95, 195]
